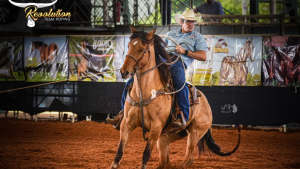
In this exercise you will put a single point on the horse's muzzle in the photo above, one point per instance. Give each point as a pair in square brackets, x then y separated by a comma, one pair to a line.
[124, 74]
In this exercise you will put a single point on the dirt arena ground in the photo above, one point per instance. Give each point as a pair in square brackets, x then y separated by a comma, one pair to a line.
[51, 144]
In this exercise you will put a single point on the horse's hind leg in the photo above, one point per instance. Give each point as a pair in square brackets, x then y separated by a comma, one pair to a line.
[11, 69]
[193, 137]
[163, 145]
[125, 132]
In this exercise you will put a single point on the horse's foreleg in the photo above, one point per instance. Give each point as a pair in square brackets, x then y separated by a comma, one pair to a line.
[153, 137]
[125, 131]
[222, 78]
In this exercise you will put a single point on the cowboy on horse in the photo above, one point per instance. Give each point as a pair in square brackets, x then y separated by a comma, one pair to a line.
[191, 46]
[148, 102]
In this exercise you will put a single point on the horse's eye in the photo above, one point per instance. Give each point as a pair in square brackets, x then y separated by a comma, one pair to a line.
[141, 50]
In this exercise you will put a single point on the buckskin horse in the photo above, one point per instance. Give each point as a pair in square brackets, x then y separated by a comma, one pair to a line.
[143, 60]
[234, 69]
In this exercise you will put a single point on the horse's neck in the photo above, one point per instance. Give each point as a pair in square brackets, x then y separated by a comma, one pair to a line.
[41, 48]
[241, 55]
[149, 81]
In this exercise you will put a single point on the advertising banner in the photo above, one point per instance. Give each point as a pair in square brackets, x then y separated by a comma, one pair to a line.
[46, 58]
[199, 72]
[11, 60]
[121, 51]
[281, 61]
[237, 61]
[92, 58]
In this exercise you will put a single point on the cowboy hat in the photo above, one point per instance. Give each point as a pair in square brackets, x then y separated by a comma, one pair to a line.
[187, 15]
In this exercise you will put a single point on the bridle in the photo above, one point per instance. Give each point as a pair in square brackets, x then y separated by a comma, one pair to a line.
[138, 61]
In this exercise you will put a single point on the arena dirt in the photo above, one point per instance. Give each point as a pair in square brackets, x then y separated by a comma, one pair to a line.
[51, 144]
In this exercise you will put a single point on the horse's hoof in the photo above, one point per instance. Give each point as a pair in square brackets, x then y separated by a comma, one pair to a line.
[114, 165]
[187, 163]
[143, 166]
[161, 166]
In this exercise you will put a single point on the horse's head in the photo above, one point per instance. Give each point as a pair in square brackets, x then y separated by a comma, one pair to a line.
[249, 47]
[138, 53]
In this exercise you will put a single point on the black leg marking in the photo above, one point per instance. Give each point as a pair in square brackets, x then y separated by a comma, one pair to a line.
[147, 154]
[119, 154]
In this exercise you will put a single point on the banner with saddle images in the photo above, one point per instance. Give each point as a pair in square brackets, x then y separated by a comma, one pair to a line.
[46, 58]
[236, 60]
[281, 61]
[92, 58]
[11, 59]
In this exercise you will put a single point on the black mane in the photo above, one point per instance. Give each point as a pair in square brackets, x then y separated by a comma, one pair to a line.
[159, 47]
[39, 44]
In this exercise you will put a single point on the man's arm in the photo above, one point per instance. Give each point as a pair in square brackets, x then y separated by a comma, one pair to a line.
[199, 55]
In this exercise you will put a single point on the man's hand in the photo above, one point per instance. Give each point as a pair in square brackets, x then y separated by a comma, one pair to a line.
[180, 49]
[199, 55]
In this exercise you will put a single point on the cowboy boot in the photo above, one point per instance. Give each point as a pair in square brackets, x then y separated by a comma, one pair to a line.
[177, 123]
[116, 121]
[180, 122]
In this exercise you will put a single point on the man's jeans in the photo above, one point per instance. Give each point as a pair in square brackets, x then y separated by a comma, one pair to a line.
[178, 76]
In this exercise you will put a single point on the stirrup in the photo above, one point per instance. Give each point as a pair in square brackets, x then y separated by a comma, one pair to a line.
[183, 126]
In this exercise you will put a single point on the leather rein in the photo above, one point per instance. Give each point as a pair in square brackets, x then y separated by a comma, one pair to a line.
[142, 102]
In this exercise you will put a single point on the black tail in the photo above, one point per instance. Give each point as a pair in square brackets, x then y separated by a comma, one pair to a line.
[214, 147]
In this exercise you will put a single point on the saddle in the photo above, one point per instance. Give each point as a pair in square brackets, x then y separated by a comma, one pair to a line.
[193, 99]
[194, 94]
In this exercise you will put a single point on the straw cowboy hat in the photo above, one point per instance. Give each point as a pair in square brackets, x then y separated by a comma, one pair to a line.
[187, 15]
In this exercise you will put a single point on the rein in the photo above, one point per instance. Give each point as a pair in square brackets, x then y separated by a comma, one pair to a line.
[138, 79]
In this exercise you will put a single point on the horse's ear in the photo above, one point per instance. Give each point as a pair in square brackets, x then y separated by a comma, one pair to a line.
[151, 34]
[132, 29]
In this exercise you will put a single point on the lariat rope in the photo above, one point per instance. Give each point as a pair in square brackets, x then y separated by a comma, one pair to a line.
[5, 91]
